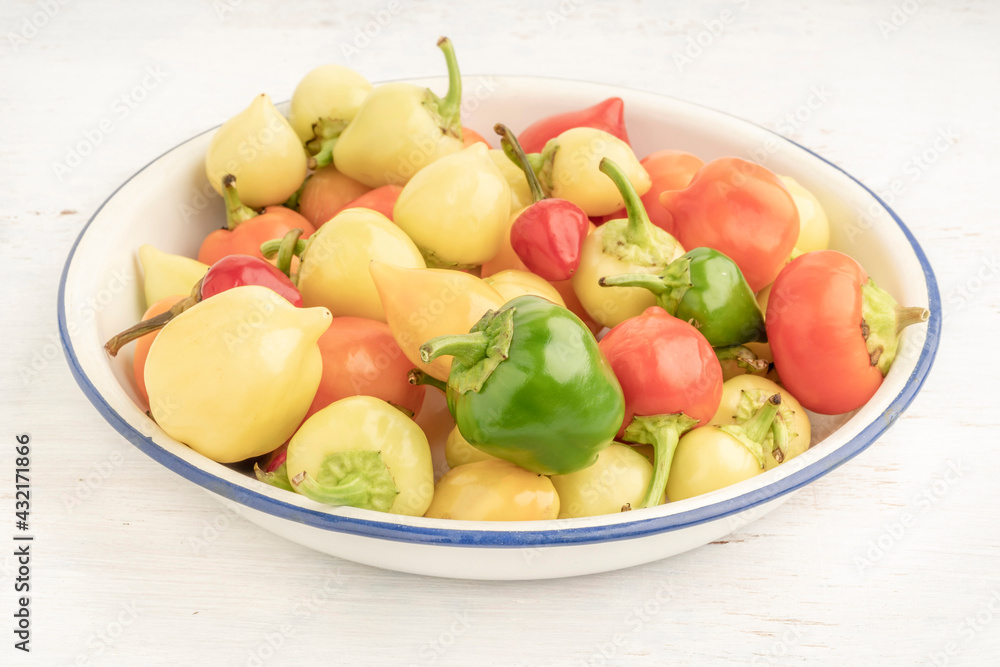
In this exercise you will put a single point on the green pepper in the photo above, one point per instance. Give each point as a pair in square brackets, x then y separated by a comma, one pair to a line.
[529, 384]
[707, 289]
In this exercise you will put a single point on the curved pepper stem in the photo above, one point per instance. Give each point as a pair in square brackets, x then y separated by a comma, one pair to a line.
[357, 478]
[120, 340]
[512, 149]
[278, 477]
[638, 231]
[418, 377]
[284, 248]
[448, 108]
[326, 132]
[663, 432]
[479, 352]
[236, 211]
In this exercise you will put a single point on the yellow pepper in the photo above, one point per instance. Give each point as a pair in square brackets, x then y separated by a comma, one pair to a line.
[361, 451]
[325, 100]
[627, 245]
[233, 376]
[421, 304]
[513, 283]
[814, 227]
[493, 490]
[617, 482]
[166, 275]
[456, 209]
[334, 269]
[520, 191]
[262, 151]
[401, 128]
[458, 451]
[570, 170]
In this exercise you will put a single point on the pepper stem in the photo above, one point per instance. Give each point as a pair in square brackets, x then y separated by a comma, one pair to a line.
[882, 321]
[638, 231]
[326, 132]
[468, 348]
[278, 478]
[663, 432]
[289, 243]
[236, 211]
[744, 357]
[449, 107]
[752, 433]
[358, 478]
[418, 377]
[512, 149]
[118, 341]
[648, 281]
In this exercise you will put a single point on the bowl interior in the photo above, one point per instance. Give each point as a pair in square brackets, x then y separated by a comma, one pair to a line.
[170, 205]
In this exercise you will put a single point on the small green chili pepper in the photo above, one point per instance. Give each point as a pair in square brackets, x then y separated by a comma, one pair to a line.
[707, 289]
[529, 385]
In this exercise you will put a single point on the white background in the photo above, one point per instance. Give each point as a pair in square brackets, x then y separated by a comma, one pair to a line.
[127, 568]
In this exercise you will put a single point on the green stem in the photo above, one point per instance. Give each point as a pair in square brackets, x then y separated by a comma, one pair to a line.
[757, 427]
[289, 244]
[293, 201]
[236, 211]
[418, 377]
[513, 150]
[358, 478]
[743, 356]
[118, 341]
[663, 432]
[648, 281]
[278, 478]
[449, 107]
[468, 348]
[638, 232]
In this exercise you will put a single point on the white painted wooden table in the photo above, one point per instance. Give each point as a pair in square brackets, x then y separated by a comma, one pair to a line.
[891, 559]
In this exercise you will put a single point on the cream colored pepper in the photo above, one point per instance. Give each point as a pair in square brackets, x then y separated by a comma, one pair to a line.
[233, 376]
[456, 210]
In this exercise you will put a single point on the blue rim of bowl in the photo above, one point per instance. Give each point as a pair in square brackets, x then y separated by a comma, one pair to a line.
[459, 537]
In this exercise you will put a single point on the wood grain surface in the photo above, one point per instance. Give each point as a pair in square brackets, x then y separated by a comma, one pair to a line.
[892, 559]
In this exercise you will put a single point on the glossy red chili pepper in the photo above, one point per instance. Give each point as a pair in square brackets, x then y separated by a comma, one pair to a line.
[236, 270]
[607, 115]
[740, 209]
[548, 235]
[247, 229]
[672, 381]
[229, 272]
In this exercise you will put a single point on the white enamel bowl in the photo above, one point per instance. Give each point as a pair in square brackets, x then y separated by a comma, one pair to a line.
[169, 204]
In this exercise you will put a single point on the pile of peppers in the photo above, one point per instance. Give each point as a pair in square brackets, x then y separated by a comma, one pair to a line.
[400, 316]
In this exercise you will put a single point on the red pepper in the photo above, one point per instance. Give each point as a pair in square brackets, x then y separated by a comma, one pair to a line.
[833, 333]
[361, 358]
[672, 381]
[229, 272]
[740, 209]
[607, 115]
[548, 235]
[247, 229]
[236, 270]
[381, 199]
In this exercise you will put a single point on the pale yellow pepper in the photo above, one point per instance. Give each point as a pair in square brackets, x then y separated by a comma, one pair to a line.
[570, 169]
[233, 376]
[363, 452]
[458, 451]
[326, 95]
[401, 128]
[456, 209]
[814, 226]
[262, 151]
[166, 275]
[493, 490]
[520, 191]
[421, 304]
[513, 283]
[617, 482]
[334, 266]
